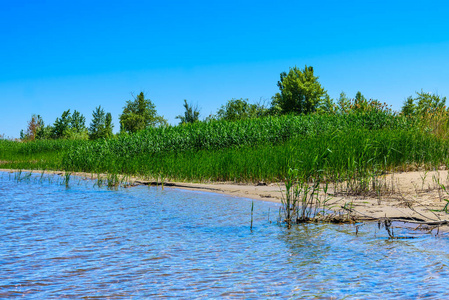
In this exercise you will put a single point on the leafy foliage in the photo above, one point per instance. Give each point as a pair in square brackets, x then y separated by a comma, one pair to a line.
[300, 92]
[240, 109]
[101, 125]
[39, 154]
[422, 104]
[35, 125]
[191, 114]
[70, 126]
[78, 122]
[62, 125]
[139, 114]
[357, 144]
[45, 132]
[341, 147]
[217, 135]
[108, 126]
[361, 105]
[429, 113]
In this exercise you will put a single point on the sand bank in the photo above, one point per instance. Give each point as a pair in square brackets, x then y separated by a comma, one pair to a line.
[416, 196]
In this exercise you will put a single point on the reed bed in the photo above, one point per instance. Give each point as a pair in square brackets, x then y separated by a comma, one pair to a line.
[336, 156]
[217, 136]
[348, 148]
[41, 154]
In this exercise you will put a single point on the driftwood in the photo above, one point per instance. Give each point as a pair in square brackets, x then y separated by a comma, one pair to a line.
[173, 184]
[431, 223]
[400, 219]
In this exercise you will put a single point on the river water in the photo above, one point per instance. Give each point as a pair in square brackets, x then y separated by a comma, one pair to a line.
[85, 241]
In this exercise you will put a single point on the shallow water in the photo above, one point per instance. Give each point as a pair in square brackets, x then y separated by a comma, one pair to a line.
[140, 242]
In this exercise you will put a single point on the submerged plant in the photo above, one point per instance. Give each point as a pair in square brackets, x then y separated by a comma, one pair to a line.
[66, 179]
[17, 175]
[304, 201]
[41, 178]
[113, 181]
[20, 176]
[252, 210]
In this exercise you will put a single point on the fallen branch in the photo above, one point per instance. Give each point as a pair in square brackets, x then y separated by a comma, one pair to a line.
[432, 223]
[405, 220]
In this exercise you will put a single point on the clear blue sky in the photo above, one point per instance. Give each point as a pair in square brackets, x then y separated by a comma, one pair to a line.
[56, 55]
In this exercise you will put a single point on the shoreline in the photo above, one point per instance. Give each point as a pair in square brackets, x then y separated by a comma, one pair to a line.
[416, 197]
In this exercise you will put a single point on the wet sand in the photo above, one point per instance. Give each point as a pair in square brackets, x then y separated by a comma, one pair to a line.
[416, 196]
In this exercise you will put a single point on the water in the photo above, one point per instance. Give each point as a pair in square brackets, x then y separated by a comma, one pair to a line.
[140, 242]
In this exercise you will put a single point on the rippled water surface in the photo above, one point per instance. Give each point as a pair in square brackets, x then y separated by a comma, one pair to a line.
[140, 242]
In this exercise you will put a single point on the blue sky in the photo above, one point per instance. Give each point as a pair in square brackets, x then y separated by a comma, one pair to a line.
[59, 55]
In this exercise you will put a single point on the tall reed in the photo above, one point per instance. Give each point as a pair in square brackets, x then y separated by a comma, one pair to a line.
[352, 149]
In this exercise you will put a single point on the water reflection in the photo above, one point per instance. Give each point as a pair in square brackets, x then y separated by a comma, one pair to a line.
[149, 243]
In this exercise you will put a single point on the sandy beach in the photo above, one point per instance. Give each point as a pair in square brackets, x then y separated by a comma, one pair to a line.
[417, 196]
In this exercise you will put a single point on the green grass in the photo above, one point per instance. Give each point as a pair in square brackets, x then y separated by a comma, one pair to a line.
[333, 147]
[44, 154]
[335, 156]
[216, 136]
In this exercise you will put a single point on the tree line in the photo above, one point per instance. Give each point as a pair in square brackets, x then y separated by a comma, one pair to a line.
[300, 92]
[70, 126]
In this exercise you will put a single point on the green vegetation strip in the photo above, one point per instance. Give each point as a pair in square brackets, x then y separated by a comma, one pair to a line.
[335, 147]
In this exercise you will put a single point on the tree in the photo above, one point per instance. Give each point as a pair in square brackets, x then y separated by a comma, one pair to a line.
[62, 125]
[300, 92]
[359, 99]
[238, 109]
[139, 114]
[77, 128]
[423, 103]
[409, 107]
[327, 106]
[44, 132]
[108, 126]
[33, 128]
[344, 103]
[70, 126]
[360, 104]
[101, 124]
[97, 124]
[191, 114]
[36, 129]
[78, 122]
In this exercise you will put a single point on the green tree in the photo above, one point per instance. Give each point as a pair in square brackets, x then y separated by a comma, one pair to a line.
[360, 104]
[62, 125]
[423, 103]
[36, 129]
[139, 114]
[409, 107]
[78, 122]
[33, 128]
[360, 100]
[191, 114]
[45, 132]
[101, 124]
[238, 109]
[327, 106]
[70, 126]
[77, 129]
[344, 103]
[96, 126]
[108, 126]
[300, 92]
[428, 103]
